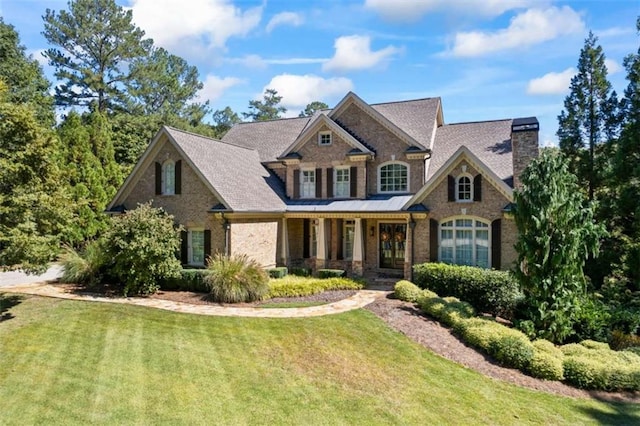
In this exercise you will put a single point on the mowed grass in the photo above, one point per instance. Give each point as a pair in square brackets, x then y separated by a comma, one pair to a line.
[67, 362]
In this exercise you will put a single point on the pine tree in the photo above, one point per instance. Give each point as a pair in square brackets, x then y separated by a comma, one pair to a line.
[268, 108]
[311, 108]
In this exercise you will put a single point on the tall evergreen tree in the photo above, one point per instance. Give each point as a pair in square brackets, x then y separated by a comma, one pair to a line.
[223, 120]
[268, 108]
[590, 118]
[311, 108]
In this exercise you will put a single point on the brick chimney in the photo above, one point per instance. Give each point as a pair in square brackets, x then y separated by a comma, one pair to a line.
[524, 145]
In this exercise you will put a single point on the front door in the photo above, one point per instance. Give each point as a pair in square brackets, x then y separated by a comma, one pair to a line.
[392, 244]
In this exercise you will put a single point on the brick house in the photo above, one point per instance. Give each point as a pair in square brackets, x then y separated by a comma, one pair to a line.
[371, 189]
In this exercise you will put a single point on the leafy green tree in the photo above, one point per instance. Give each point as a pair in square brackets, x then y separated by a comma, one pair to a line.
[95, 40]
[24, 76]
[223, 120]
[268, 108]
[556, 233]
[33, 200]
[590, 117]
[142, 246]
[312, 108]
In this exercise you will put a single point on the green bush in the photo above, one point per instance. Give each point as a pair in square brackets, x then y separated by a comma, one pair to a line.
[493, 292]
[620, 340]
[296, 286]
[592, 321]
[330, 273]
[189, 280]
[448, 310]
[592, 344]
[633, 349]
[278, 272]
[546, 362]
[300, 272]
[407, 291]
[86, 267]
[235, 279]
[141, 245]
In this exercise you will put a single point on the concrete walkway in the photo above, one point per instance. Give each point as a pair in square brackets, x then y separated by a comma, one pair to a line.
[358, 300]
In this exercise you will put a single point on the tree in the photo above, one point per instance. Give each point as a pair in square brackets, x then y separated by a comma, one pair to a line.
[312, 108]
[267, 109]
[556, 233]
[223, 121]
[23, 75]
[96, 40]
[590, 117]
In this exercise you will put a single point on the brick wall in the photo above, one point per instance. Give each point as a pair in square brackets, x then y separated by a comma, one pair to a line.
[525, 148]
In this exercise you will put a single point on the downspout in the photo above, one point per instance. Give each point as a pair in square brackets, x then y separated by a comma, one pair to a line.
[227, 227]
[412, 226]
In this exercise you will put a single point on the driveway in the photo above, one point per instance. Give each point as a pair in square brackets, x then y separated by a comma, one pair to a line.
[16, 278]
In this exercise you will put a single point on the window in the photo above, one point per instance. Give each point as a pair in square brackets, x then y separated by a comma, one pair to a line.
[324, 138]
[393, 178]
[196, 247]
[308, 184]
[342, 180]
[348, 239]
[464, 188]
[465, 242]
[168, 178]
[313, 239]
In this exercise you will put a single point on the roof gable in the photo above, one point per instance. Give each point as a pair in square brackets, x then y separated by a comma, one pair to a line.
[418, 118]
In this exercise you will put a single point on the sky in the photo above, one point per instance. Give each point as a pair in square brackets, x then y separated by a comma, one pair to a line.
[486, 59]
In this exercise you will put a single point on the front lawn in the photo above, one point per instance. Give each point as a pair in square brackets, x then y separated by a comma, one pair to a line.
[67, 362]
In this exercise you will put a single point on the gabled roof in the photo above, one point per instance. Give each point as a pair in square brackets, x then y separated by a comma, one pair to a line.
[489, 141]
[269, 138]
[418, 118]
[461, 153]
[234, 174]
[314, 125]
[375, 203]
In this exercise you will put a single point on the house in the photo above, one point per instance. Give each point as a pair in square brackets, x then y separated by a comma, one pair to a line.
[368, 188]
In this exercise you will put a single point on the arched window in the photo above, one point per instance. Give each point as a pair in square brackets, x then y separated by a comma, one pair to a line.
[464, 188]
[168, 178]
[393, 177]
[465, 241]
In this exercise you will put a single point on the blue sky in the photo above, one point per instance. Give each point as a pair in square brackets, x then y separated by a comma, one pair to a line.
[486, 59]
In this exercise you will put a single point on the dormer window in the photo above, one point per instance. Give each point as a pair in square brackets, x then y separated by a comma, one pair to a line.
[324, 138]
[464, 188]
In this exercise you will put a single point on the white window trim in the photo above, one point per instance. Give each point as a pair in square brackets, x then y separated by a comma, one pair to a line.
[302, 183]
[325, 133]
[335, 182]
[349, 223]
[473, 229]
[166, 190]
[190, 247]
[457, 190]
[380, 177]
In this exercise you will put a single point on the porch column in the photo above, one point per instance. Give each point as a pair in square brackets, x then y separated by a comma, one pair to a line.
[408, 250]
[358, 248]
[284, 245]
[321, 255]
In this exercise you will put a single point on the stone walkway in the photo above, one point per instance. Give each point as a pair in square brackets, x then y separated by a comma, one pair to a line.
[359, 300]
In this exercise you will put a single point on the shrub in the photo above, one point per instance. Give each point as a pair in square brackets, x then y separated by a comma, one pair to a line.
[489, 291]
[295, 286]
[448, 310]
[301, 272]
[592, 344]
[189, 280]
[633, 349]
[86, 267]
[330, 273]
[278, 272]
[235, 279]
[141, 245]
[407, 291]
[592, 320]
[546, 362]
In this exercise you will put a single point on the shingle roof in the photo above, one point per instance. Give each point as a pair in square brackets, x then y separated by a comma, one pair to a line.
[490, 141]
[376, 203]
[417, 118]
[234, 172]
[269, 138]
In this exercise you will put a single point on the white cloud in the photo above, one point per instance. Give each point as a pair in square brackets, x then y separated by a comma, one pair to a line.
[214, 87]
[285, 18]
[299, 90]
[531, 27]
[413, 10]
[256, 61]
[553, 83]
[249, 61]
[205, 23]
[612, 66]
[354, 53]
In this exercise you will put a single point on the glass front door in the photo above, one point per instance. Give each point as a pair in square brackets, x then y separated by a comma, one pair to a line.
[392, 245]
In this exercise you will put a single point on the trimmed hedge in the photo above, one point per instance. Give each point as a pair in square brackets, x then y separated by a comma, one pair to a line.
[300, 272]
[330, 273]
[278, 272]
[448, 310]
[546, 362]
[493, 292]
[407, 291]
[293, 286]
[189, 280]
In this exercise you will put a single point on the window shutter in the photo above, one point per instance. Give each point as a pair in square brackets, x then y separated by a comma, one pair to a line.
[496, 244]
[178, 182]
[340, 224]
[353, 181]
[477, 188]
[296, 184]
[433, 240]
[329, 182]
[451, 183]
[318, 183]
[306, 236]
[158, 178]
[207, 245]
[184, 247]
